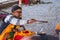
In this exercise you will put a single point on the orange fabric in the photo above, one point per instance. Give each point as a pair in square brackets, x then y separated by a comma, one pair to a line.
[57, 26]
[24, 33]
[6, 30]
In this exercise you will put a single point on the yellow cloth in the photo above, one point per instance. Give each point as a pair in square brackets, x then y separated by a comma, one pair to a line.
[7, 30]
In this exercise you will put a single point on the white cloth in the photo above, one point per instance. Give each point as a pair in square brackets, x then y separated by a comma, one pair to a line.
[15, 20]
[7, 18]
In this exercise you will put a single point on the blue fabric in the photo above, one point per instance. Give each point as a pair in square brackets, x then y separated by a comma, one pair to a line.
[3, 26]
[57, 31]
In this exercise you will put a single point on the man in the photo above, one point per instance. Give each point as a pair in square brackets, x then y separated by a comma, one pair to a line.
[25, 2]
[15, 18]
[49, 37]
[57, 29]
[31, 38]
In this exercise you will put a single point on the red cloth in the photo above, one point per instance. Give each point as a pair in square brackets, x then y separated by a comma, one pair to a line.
[25, 1]
[18, 37]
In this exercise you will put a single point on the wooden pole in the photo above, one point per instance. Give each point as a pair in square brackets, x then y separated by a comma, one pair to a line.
[40, 21]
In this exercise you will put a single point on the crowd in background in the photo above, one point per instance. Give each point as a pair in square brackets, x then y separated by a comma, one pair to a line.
[29, 2]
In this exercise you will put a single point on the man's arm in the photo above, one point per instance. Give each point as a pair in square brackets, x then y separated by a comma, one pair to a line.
[22, 22]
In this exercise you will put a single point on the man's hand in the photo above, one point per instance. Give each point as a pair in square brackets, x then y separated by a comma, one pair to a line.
[32, 21]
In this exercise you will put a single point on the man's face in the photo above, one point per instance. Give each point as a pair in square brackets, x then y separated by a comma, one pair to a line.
[26, 38]
[17, 13]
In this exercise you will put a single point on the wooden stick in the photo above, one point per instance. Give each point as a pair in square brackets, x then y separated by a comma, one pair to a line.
[43, 21]
[40, 21]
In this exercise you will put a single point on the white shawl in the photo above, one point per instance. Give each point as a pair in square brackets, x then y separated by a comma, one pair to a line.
[14, 20]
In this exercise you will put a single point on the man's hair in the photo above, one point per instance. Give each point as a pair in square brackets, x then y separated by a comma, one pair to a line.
[15, 7]
[35, 38]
